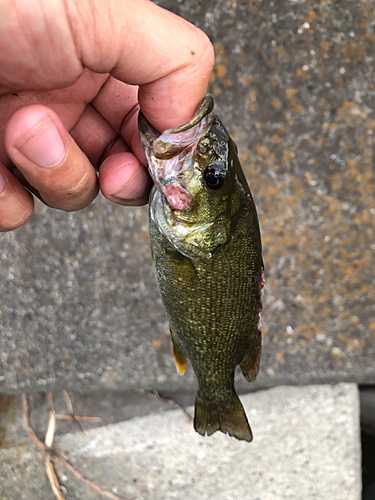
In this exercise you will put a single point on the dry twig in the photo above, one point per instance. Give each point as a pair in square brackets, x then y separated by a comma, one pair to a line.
[48, 441]
[54, 456]
[73, 417]
[169, 400]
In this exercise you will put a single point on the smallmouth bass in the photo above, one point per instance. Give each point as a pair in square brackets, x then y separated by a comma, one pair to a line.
[207, 253]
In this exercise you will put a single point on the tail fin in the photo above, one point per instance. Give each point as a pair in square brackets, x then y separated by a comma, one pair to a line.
[228, 417]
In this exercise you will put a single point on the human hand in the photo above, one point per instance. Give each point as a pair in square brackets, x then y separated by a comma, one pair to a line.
[65, 106]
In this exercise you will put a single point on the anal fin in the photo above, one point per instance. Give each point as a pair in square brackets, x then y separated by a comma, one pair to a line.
[178, 357]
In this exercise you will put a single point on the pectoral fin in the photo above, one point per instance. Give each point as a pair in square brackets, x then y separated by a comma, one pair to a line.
[178, 356]
[250, 362]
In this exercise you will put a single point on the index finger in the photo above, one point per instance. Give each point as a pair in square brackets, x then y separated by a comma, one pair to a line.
[143, 44]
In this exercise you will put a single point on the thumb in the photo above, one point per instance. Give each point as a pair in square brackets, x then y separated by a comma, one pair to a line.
[143, 44]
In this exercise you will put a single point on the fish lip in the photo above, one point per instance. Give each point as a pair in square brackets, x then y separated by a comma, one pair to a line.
[203, 109]
[147, 132]
[162, 149]
[177, 197]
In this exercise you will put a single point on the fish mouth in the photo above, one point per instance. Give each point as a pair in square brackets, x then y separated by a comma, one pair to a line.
[173, 141]
[172, 152]
[177, 196]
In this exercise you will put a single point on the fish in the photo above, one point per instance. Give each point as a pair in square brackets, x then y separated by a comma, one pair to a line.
[207, 253]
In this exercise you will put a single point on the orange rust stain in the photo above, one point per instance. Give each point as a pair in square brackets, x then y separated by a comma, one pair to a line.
[368, 9]
[272, 191]
[325, 46]
[370, 36]
[288, 156]
[328, 126]
[353, 166]
[349, 271]
[354, 320]
[336, 354]
[276, 103]
[157, 343]
[219, 49]
[297, 108]
[322, 102]
[274, 80]
[247, 79]
[346, 108]
[263, 151]
[311, 19]
[279, 356]
[265, 331]
[355, 52]
[312, 15]
[306, 332]
[279, 50]
[353, 343]
[367, 156]
[302, 75]
[244, 155]
[290, 93]
[144, 235]
[221, 70]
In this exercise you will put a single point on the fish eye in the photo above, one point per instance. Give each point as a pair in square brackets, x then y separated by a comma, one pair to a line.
[213, 176]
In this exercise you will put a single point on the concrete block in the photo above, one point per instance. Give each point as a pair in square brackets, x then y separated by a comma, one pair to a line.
[306, 446]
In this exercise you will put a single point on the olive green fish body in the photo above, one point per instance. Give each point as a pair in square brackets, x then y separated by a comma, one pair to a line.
[213, 309]
[209, 268]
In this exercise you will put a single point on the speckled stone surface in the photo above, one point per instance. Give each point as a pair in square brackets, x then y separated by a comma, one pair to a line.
[294, 83]
[306, 446]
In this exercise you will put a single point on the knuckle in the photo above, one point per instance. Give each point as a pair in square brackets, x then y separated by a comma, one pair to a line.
[73, 197]
[16, 219]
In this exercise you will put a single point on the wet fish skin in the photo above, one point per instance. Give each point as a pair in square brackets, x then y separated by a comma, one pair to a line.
[208, 263]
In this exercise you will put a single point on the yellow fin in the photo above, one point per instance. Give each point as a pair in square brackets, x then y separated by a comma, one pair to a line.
[178, 357]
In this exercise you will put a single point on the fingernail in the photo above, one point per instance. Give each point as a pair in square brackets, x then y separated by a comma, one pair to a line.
[2, 182]
[43, 144]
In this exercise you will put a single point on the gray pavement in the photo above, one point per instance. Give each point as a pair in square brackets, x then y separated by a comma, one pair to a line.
[293, 84]
[306, 447]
